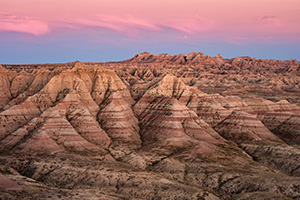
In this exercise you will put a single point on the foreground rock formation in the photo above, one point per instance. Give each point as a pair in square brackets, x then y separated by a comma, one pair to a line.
[152, 127]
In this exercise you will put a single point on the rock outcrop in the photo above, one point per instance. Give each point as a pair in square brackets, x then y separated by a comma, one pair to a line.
[241, 126]
[5, 93]
[118, 120]
[151, 127]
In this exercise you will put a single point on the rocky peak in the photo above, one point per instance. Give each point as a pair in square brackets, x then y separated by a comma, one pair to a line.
[142, 57]
[190, 58]
[242, 126]
[78, 64]
[2, 69]
[219, 56]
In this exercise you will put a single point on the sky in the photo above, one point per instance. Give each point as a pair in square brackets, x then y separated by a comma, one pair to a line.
[56, 31]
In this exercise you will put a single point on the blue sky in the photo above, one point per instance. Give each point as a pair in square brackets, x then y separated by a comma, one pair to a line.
[52, 31]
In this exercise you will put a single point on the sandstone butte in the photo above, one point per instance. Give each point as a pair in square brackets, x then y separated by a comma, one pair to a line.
[151, 127]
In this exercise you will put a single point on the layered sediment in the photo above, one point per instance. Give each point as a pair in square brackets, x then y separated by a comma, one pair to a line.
[151, 127]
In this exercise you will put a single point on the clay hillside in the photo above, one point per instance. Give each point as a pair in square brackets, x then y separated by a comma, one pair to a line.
[151, 127]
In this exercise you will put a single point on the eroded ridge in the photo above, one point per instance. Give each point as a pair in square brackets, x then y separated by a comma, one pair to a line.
[151, 127]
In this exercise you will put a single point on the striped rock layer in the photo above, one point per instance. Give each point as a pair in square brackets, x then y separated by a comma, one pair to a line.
[87, 107]
[153, 126]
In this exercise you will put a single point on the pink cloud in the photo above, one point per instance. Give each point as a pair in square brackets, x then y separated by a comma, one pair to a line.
[9, 22]
[190, 25]
[129, 21]
[259, 29]
[134, 26]
[270, 20]
[127, 25]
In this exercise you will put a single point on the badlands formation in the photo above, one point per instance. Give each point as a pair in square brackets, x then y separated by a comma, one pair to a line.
[151, 127]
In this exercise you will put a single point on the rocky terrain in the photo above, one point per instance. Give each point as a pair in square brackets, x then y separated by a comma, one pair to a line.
[151, 127]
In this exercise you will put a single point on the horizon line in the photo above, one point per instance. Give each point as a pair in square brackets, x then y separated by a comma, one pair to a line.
[116, 61]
